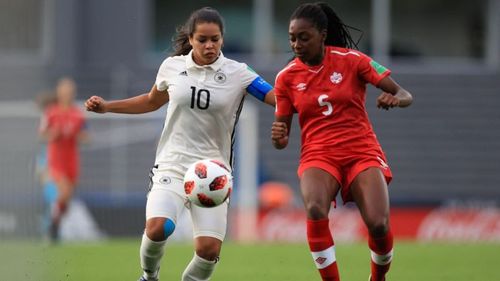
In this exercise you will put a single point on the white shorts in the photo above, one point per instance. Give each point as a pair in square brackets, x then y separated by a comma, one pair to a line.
[167, 199]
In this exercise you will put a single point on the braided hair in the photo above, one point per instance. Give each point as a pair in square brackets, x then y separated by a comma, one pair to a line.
[323, 17]
[203, 15]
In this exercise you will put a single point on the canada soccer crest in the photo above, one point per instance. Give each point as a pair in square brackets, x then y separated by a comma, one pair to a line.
[336, 78]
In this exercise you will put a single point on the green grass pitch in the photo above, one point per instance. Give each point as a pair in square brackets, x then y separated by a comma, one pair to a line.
[118, 260]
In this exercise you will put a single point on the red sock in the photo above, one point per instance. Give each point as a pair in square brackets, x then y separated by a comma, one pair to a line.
[381, 250]
[322, 249]
[58, 211]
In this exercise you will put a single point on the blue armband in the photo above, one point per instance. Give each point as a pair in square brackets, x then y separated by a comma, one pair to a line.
[259, 88]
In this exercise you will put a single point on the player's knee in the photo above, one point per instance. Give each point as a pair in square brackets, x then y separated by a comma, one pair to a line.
[159, 229]
[316, 211]
[208, 249]
[210, 254]
[378, 227]
[168, 228]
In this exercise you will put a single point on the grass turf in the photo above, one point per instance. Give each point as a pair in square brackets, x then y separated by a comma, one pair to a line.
[118, 260]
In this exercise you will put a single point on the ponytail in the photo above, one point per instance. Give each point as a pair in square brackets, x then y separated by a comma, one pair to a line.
[181, 42]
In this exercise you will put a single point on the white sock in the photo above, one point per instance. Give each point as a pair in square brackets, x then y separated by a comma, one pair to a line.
[199, 269]
[151, 253]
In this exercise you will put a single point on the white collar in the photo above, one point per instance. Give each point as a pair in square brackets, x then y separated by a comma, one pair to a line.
[216, 65]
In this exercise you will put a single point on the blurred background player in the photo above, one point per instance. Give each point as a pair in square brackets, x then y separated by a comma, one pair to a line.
[45, 100]
[205, 92]
[63, 127]
[275, 196]
[326, 85]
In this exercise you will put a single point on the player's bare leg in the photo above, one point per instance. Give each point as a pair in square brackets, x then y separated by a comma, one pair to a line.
[65, 190]
[205, 258]
[369, 191]
[153, 246]
[318, 191]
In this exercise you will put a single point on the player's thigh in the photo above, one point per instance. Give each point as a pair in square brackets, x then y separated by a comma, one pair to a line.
[162, 210]
[318, 187]
[210, 222]
[164, 203]
[369, 191]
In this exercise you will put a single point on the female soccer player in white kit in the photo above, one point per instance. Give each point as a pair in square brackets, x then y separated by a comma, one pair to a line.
[205, 92]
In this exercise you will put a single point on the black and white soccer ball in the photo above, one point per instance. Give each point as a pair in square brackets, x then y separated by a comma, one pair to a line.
[208, 183]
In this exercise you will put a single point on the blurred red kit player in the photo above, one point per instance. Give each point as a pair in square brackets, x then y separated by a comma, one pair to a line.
[64, 126]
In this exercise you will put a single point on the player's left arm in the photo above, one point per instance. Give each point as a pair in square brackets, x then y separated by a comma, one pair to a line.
[270, 98]
[393, 94]
[262, 90]
[83, 135]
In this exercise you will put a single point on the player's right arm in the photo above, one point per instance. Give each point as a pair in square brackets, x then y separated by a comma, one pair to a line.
[47, 131]
[139, 104]
[284, 110]
[280, 131]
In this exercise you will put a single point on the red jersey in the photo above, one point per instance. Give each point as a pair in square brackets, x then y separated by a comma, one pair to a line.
[62, 151]
[330, 101]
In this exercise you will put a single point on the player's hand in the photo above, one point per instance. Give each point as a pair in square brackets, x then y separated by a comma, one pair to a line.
[387, 100]
[96, 104]
[279, 134]
[53, 134]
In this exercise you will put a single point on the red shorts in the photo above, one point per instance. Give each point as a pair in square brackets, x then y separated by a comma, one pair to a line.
[344, 167]
[64, 170]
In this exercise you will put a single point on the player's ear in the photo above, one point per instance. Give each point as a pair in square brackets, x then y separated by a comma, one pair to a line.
[190, 38]
[323, 33]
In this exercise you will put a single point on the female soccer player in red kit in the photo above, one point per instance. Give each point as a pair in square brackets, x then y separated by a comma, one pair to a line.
[63, 127]
[326, 85]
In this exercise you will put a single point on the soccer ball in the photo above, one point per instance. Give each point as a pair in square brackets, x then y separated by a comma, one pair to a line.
[208, 183]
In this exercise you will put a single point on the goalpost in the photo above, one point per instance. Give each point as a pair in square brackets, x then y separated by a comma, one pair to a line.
[245, 215]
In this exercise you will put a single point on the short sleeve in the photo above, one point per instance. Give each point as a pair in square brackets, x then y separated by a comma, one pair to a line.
[284, 105]
[47, 119]
[162, 76]
[248, 75]
[371, 71]
[83, 123]
[44, 123]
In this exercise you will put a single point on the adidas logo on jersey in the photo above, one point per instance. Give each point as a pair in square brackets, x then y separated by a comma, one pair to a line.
[184, 73]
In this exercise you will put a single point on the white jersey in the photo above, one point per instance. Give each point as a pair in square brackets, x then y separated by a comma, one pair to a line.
[204, 107]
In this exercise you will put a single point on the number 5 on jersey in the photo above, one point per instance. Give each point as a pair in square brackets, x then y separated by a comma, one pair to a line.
[196, 98]
[322, 102]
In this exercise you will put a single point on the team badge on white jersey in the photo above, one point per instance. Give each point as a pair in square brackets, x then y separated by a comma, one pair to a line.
[165, 180]
[336, 78]
[220, 77]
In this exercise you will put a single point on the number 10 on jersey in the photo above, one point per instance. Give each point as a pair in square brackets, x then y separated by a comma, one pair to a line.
[197, 100]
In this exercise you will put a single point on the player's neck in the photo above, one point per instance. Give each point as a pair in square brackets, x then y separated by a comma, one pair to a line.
[203, 62]
[317, 60]
[64, 106]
